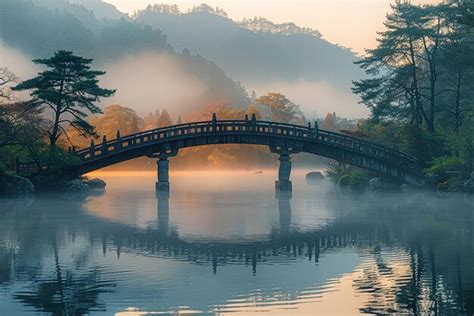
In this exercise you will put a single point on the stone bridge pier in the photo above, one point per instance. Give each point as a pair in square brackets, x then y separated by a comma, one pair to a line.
[284, 170]
[283, 183]
[163, 167]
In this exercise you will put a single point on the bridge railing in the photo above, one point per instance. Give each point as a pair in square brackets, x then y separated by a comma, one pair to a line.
[244, 127]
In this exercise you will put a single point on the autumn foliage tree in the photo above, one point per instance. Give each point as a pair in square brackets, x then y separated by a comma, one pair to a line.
[114, 118]
[164, 119]
[282, 109]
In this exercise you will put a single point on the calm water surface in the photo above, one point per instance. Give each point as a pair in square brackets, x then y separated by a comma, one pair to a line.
[224, 242]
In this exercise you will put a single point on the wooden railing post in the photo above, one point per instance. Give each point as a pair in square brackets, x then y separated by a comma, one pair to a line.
[214, 122]
[118, 142]
[104, 145]
[92, 149]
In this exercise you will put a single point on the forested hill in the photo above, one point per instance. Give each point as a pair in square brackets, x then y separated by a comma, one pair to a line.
[264, 56]
[251, 50]
[254, 48]
[38, 28]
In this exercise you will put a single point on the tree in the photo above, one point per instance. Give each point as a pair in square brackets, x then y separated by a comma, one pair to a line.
[223, 111]
[253, 110]
[6, 79]
[329, 122]
[165, 119]
[282, 109]
[20, 125]
[404, 70]
[69, 89]
[456, 105]
[115, 118]
[151, 120]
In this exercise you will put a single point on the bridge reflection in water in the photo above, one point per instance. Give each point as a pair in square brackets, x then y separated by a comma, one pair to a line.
[49, 260]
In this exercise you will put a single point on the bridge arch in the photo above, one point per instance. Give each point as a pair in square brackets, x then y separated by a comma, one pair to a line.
[283, 139]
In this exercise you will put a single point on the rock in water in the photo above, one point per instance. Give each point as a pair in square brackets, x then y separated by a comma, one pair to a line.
[96, 184]
[77, 186]
[375, 184]
[15, 186]
[404, 187]
[468, 186]
[314, 176]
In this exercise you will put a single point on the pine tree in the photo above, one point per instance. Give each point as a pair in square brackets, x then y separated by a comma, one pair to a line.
[69, 89]
[404, 67]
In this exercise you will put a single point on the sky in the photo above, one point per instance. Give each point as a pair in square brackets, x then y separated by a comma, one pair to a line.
[350, 23]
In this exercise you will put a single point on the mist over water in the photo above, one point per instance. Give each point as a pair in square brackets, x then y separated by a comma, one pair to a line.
[225, 242]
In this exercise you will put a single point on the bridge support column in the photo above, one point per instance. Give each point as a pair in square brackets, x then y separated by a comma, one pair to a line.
[284, 171]
[162, 167]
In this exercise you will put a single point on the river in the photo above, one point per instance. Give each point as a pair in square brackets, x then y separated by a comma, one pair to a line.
[224, 242]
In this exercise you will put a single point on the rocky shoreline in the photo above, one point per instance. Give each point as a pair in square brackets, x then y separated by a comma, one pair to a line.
[12, 185]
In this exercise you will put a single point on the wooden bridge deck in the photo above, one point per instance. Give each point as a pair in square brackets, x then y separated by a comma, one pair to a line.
[295, 138]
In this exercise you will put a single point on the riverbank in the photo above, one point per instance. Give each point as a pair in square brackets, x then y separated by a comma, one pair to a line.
[12, 185]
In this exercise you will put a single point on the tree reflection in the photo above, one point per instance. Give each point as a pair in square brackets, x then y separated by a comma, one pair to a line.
[59, 289]
[430, 274]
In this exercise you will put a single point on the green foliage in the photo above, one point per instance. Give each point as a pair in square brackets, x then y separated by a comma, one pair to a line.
[336, 170]
[452, 184]
[421, 69]
[57, 174]
[446, 173]
[347, 176]
[461, 144]
[398, 135]
[420, 89]
[444, 164]
[358, 180]
[69, 89]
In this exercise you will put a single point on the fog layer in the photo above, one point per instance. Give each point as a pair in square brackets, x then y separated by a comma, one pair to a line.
[148, 81]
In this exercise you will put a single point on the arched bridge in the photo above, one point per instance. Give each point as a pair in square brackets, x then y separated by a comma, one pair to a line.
[283, 139]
